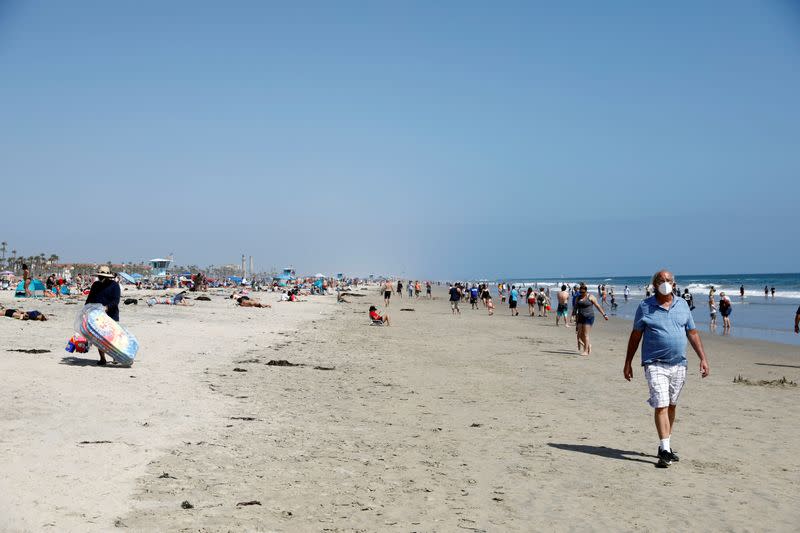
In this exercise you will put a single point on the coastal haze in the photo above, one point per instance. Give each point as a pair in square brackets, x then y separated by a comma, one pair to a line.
[516, 143]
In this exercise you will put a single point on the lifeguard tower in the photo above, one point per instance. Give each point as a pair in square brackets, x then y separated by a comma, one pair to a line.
[159, 267]
[286, 277]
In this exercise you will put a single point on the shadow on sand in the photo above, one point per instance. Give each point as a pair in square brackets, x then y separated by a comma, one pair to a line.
[81, 361]
[602, 451]
[775, 364]
[564, 352]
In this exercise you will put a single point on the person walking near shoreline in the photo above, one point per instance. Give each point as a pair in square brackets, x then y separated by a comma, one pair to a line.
[512, 300]
[562, 311]
[583, 311]
[542, 301]
[387, 292]
[712, 309]
[725, 309]
[530, 297]
[627, 293]
[399, 288]
[455, 298]
[473, 296]
[664, 322]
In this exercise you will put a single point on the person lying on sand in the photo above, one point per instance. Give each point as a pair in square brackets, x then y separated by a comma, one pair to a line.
[246, 301]
[24, 315]
[376, 317]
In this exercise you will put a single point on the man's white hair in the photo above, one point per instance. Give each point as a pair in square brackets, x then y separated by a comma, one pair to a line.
[655, 276]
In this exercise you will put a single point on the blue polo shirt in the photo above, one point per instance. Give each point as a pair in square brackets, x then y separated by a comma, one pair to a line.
[664, 340]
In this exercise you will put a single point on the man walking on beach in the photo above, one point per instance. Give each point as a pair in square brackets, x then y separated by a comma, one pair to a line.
[455, 297]
[512, 300]
[562, 311]
[797, 321]
[387, 292]
[665, 322]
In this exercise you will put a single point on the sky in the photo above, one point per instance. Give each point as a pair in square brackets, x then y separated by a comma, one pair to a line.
[444, 140]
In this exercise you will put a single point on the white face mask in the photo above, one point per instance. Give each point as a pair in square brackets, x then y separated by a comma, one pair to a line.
[665, 288]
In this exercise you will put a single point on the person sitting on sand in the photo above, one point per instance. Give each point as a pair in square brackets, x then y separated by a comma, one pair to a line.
[376, 317]
[23, 315]
[246, 301]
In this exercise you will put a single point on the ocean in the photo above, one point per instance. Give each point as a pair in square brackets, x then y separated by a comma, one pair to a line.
[754, 316]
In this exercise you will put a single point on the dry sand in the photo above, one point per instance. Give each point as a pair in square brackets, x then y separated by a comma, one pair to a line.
[437, 423]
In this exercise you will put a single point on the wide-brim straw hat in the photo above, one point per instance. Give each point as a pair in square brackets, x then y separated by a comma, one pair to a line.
[104, 272]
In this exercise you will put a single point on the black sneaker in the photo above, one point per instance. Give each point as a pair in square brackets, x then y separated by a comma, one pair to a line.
[674, 455]
[664, 458]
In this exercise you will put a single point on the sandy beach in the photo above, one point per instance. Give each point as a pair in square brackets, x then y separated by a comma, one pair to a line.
[436, 423]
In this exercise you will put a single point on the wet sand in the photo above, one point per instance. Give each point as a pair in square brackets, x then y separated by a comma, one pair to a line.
[437, 423]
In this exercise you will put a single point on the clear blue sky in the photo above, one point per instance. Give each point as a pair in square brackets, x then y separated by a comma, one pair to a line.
[442, 139]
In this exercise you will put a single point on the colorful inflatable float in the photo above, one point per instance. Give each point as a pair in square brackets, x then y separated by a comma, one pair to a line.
[107, 334]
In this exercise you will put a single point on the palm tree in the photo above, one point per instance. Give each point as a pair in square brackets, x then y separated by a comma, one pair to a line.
[3, 246]
[53, 259]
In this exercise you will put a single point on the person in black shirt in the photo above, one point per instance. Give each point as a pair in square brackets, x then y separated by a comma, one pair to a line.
[105, 291]
[797, 321]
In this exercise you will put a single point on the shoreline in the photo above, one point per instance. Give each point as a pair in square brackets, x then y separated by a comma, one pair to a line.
[434, 423]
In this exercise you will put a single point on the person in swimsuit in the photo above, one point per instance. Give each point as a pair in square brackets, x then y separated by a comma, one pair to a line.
[712, 310]
[584, 318]
[387, 292]
[26, 279]
[530, 296]
[428, 289]
[246, 301]
[725, 309]
[562, 311]
[489, 303]
[23, 315]
[399, 288]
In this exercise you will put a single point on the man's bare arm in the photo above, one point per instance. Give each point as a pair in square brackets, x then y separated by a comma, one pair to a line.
[633, 345]
[697, 345]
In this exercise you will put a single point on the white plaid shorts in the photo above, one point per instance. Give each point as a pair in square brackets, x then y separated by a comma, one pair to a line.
[665, 382]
